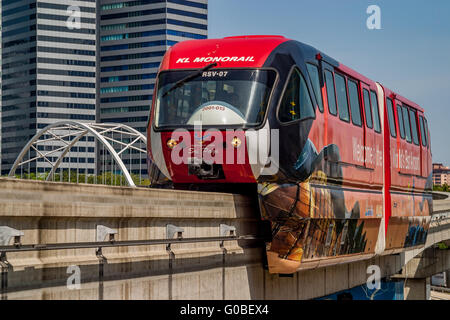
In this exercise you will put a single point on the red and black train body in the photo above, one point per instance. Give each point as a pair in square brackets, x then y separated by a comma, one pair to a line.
[342, 164]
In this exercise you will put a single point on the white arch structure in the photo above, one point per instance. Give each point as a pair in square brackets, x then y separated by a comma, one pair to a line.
[103, 132]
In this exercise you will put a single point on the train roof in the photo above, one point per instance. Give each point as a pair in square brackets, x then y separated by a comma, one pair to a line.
[241, 51]
[248, 51]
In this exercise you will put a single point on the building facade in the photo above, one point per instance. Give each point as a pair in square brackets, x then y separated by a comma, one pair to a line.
[134, 35]
[88, 61]
[0, 86]
[441, 174]
[49, 74]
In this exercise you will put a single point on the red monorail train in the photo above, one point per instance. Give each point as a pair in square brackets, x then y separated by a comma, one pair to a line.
[342, 164]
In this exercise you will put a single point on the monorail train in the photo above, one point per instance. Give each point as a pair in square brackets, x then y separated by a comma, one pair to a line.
[343, 164]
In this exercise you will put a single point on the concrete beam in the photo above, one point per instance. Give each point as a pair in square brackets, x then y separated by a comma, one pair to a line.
[427, 263]
[55, 212]
[417, 289]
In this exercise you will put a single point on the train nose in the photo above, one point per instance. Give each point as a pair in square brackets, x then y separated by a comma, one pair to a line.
[205, 170]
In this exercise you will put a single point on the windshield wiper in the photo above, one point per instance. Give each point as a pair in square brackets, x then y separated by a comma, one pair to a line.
[179, 83]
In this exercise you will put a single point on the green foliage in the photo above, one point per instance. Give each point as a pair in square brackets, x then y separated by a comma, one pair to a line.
[445, 187]
[106, 178]
[442, 246]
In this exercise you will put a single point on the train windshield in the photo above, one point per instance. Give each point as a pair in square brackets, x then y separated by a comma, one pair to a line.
[217, 97]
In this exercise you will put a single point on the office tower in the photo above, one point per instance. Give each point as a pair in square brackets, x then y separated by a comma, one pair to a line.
[134, 35]
[0, 87]
[88, 61]
[49, 74]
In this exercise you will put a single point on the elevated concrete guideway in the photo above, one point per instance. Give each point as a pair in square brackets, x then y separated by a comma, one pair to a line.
[59, 213]
[441, 203]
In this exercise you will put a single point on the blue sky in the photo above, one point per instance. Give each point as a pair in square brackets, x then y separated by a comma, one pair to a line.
[410, 54]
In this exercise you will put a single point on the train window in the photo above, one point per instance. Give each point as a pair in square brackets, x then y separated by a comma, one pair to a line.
[296, 103]
[375, 112]
[422, 131]
[412, 117]
[427, 132]
[314, 76]
[354, 102]
[242, 94]
[407, 125]
[400, 121]
[391, 118]
[369, 122]
[330, 92]
[341, 93]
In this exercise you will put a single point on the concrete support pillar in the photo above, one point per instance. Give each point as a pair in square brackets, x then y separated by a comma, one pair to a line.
[417, 289]
[447, 278]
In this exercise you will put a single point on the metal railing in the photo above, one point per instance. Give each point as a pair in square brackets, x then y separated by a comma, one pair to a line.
[227, 233]
[104, 244]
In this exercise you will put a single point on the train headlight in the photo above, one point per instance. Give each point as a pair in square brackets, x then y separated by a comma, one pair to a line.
[171, 143]
[236, 142]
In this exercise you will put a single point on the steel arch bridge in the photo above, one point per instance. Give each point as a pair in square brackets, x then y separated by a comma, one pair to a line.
[56, 141]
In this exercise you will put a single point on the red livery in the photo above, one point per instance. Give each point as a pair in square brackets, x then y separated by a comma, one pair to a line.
[341, 164]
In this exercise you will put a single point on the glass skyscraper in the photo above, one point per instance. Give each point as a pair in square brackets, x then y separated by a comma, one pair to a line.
[48, 74]
[134, 35]
[101, 70]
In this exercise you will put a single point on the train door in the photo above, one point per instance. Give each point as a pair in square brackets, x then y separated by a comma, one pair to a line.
[369, 135]
[393, 145]
[405, 140]
[402, 137]
[378, 116]
[414, 160]
[357, 127]
[296, 115]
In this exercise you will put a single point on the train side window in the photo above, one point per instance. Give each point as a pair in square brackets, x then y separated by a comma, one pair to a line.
[422, 132]
[427, 132]
[296, 103]
[354, 102]
[407, 125]
[400, 121]
[375, 111]
[367, 110]
[314, 76]
[412, 117]
[391, 118]
[341, 93]
[330, 92]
